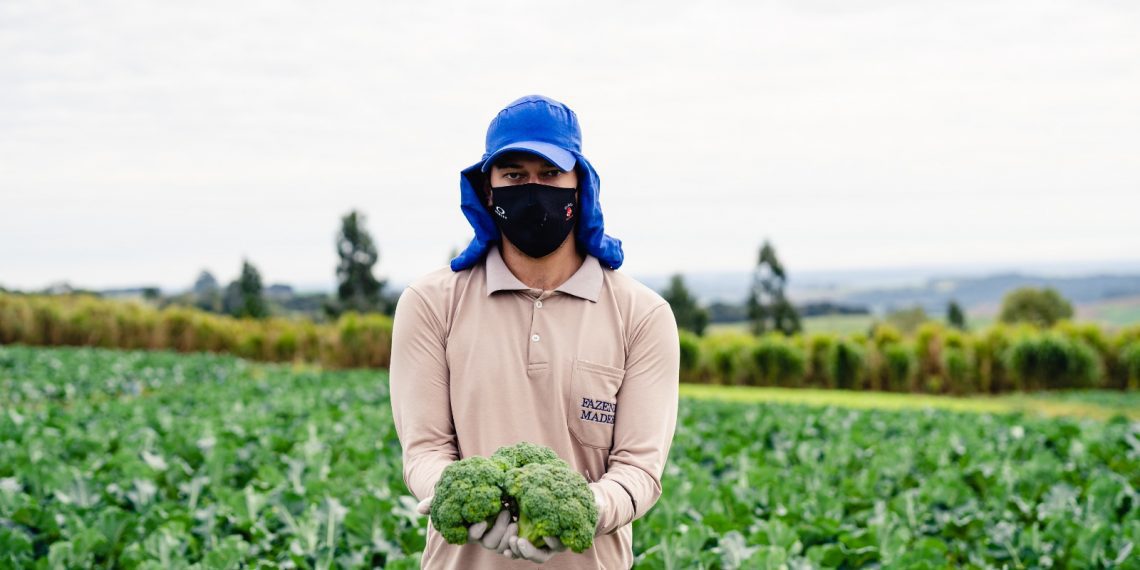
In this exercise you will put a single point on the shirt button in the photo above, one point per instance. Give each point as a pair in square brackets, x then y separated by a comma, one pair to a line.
[538, 304]
[535, 337]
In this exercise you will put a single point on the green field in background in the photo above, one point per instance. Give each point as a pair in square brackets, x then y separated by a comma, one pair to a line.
[842, 324]
[1111, 315]
[1096, 404]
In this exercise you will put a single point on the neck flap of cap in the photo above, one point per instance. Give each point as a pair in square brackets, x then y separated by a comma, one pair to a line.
[589, 231]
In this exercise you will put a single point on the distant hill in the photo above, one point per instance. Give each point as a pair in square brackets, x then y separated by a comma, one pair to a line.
[881, 291]
[984, 294]
[1105, 291]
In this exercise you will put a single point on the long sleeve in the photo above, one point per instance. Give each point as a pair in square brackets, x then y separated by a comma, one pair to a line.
[646, 418]
[419, 384]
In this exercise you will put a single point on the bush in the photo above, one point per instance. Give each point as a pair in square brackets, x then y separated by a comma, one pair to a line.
[884, 334]
[959, 370]
[84, 320]
[725, 354]
[365, 340]
[1052, 361]
[845, 364]
[1130, 359]
[953, 338]
[777, 362]
[690, 355]
[1039, 307]
[284, 344]
[988, 353]
[177, 326]
[14, 319]
[928, 351]
[957, 362]
[1088, 332]
[92, 324]
[881, 336]
[1116, 369]
[899, 365]
[817, 348]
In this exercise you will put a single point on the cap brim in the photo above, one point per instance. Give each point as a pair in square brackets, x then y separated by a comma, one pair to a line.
[556, 155]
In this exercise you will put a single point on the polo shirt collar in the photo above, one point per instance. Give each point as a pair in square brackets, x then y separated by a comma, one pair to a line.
[586, 283]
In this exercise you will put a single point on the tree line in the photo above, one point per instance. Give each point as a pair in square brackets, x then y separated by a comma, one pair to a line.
[358, 289]
[935, 359]
[766, 307]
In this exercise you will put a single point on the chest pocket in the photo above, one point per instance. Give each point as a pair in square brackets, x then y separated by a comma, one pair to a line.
[592, 408]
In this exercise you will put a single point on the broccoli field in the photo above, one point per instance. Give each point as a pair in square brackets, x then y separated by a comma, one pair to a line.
[164, 460]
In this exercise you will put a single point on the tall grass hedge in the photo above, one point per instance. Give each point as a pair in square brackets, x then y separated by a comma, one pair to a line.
[935, 359]
[775, 361]
[82, 320]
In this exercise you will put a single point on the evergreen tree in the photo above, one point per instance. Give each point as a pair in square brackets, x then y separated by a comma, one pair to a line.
[357, 289]
[688, 313]
[231, 299]
[244, 297]
[206, 293]
[205, 283]
[955, 316]
[768, 307]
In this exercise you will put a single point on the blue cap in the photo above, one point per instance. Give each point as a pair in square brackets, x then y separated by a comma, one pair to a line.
[550, 129]
[538, 125]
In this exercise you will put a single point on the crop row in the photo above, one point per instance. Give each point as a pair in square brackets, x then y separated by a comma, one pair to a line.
[786, 486]
[161, 460]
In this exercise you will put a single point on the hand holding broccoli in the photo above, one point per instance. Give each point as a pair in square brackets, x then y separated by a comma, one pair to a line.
[493, 538]
[523, 549]
[546, 503]
[468, 492]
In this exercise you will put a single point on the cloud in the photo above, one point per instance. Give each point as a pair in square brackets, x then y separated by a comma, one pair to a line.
[140, 142]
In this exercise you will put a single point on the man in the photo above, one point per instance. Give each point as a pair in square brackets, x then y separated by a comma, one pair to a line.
[530, 335]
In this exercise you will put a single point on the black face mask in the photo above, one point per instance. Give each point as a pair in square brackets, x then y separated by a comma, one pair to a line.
[536, 218]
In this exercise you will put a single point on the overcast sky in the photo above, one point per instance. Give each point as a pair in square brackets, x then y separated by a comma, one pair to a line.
[141, 142]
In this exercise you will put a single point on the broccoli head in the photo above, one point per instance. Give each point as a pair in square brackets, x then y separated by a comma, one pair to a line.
[468, 491]
[525, 453]
[553, 500]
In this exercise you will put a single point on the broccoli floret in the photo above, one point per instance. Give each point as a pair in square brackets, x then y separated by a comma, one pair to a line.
[538, 487]
[525, 453]
[468, 491]
[553, 500]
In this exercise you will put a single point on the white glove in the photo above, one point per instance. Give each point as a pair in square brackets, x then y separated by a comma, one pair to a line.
[600, 501]
[424, 507]
[522, 548]
[494, 538]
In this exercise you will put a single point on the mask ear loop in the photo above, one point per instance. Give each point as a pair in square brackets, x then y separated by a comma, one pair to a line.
[579, 244]
[486, 189]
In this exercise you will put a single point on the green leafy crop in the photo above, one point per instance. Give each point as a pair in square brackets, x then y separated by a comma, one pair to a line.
[151, 459]
[468, 491]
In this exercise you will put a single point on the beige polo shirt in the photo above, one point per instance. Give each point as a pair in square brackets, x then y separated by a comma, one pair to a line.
[590, 369]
